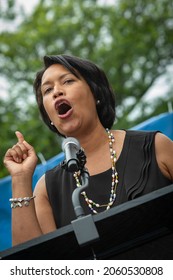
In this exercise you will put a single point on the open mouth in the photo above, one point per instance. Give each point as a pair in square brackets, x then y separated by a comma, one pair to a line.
[63, 107]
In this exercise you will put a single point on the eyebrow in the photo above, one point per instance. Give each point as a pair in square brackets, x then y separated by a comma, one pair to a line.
[59, 78]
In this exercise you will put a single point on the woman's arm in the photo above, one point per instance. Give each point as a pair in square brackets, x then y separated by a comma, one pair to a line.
[43, 207]
[21, 161]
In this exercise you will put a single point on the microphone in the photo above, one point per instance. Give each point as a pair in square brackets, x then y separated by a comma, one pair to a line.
[70, 147]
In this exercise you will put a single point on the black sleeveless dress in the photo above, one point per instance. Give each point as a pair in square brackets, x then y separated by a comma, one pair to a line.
[138, 173]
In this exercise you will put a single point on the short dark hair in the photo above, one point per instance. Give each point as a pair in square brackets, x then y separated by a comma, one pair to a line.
[94, 77]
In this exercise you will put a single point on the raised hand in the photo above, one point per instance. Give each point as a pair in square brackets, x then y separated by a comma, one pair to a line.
[21, 158]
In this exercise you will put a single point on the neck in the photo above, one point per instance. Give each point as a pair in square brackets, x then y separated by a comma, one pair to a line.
[95, 145]
[93, 140]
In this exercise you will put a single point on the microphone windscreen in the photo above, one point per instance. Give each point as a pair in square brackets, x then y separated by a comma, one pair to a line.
[70, 140]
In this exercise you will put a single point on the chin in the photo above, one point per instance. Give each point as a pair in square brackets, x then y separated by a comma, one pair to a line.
[70, 131]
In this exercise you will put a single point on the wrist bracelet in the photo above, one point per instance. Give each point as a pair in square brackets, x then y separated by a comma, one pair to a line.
[20, 202]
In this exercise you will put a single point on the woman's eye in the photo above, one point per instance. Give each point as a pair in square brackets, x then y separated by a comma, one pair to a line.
[47, 90]
[69, 81]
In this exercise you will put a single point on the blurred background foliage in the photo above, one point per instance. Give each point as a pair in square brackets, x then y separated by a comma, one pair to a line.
[131, 40]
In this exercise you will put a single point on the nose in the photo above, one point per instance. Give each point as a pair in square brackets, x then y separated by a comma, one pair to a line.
[57, 92]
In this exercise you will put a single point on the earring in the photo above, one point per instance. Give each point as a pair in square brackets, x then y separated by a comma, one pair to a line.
[51, 123]
[98, 102]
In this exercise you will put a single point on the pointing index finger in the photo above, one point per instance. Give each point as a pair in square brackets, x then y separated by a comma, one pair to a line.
[19, 136]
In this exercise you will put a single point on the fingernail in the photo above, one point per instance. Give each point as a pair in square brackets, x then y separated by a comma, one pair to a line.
[17, 159]
[24, 156]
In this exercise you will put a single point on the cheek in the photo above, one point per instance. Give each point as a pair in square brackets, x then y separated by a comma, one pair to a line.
[88, 107]
[46, 105]
[90, 102]
[88, 99]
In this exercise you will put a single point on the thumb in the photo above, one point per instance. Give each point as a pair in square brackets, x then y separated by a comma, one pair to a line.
[30, 149]
[28, 146]
[19, 136]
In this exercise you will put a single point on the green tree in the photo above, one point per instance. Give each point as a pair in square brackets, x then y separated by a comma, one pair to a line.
[131, 40]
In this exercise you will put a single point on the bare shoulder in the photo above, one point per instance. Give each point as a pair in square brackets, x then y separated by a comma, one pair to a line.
[119, 134]
[40, 188]
[119, 140]
[163, 143]
[164, 154]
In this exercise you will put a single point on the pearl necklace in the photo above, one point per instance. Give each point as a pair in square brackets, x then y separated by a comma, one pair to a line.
[112, 198]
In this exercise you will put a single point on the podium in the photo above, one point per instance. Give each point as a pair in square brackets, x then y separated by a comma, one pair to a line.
[139, 229]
